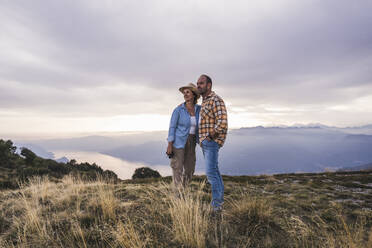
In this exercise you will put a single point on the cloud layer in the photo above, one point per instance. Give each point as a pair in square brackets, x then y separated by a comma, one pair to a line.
[275, 61]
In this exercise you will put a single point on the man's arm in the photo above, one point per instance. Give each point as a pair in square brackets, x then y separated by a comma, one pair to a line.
[220, 114]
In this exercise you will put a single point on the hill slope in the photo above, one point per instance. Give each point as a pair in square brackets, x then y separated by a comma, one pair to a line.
[15, 167]
[288, 210]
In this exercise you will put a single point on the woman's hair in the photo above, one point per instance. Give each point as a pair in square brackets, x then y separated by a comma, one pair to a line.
[195, 97]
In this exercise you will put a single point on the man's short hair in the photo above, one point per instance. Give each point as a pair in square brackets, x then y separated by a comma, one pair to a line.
[208, 79]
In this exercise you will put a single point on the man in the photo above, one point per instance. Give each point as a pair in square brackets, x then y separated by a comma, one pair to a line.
[212, 135]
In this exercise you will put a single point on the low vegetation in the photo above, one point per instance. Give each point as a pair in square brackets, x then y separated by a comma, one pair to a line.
[293, 210]
[145, 172]
[48, 204]
[15, 167]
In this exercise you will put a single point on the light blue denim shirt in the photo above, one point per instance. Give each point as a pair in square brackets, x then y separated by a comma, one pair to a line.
[180, 123]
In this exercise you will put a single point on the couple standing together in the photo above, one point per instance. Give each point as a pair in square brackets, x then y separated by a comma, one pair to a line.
[207, 125]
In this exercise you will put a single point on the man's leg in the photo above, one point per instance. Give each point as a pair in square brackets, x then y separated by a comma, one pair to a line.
[210, 150]
[189, 166]
[177, 165]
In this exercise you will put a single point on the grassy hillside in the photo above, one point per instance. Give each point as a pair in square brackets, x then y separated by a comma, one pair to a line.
[292, 210]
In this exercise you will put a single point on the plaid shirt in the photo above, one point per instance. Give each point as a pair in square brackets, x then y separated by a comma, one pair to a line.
[213, 116]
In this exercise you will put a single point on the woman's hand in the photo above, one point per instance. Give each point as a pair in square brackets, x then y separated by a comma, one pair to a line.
[169, 149]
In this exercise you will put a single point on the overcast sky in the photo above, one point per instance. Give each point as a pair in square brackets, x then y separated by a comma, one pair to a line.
[76, 66]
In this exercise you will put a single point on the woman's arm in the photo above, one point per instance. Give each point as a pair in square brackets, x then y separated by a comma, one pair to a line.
[172, 125]
[172, 130]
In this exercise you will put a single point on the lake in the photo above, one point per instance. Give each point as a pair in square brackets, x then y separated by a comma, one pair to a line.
[124, 169]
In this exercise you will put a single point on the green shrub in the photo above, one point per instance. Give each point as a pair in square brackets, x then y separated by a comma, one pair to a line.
[145, 172]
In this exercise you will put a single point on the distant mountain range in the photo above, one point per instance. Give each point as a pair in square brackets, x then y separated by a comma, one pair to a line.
[253, 150]
[365, 167]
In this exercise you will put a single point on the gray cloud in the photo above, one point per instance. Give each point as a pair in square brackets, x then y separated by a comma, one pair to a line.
[130, 57]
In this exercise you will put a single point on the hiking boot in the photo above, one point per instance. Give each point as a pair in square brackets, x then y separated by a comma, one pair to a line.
[217, 213]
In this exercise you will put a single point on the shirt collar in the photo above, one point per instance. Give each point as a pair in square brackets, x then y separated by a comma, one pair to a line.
[210, 95]
[183, 105]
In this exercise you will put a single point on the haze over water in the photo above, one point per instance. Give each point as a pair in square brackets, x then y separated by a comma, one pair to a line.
[124, 169]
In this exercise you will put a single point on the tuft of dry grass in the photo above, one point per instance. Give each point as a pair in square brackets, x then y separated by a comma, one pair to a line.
[126, 236]
[107, 201]
[347, 234]
[369, 242]
[32, 196]
[320, 233]
[187, 212]
[78, 234]
[253, 222]
[252, 206]
[190, 215]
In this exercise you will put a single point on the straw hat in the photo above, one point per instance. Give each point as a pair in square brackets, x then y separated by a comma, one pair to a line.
[193, 88]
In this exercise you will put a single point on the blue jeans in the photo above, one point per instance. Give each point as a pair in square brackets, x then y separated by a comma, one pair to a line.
[210, 152]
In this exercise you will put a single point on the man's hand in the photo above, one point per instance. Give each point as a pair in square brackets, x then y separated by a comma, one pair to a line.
[212, 135]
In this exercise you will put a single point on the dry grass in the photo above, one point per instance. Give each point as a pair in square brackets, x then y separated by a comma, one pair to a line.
[181, 212]
[190, 215]
[253, 206]
[254, 222]
[78, 235]
[329, 235]
[107, 201]
[126, 236]
[77, 213]
[348, 234]
[32, 196]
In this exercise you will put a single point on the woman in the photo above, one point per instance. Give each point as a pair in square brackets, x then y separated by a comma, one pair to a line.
[183, 136]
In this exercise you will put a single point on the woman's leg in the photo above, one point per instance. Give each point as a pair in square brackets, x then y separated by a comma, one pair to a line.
[176, 163]
[189, 166]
